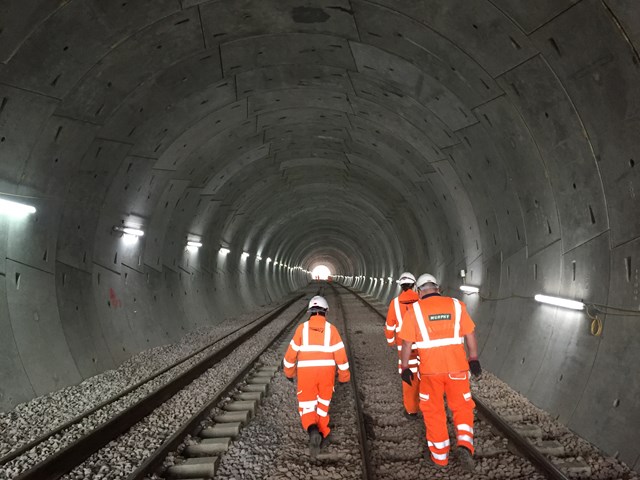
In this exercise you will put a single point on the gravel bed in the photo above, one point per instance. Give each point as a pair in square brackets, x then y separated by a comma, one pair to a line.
[492, 389]
[32, 419]
[603, 466]
[120, 457]
[396, 443]
[275, 446]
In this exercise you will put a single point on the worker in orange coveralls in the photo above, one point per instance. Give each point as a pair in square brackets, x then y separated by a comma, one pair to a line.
[314, 352]
[439, 326]
[397, 308]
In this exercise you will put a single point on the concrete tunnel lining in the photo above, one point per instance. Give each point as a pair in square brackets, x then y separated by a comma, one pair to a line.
[491, 136]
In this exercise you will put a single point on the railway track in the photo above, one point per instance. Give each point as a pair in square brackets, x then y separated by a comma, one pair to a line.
[59, 451]
[508, 445]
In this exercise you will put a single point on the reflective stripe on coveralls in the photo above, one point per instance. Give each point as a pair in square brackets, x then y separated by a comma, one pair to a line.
[314, 355]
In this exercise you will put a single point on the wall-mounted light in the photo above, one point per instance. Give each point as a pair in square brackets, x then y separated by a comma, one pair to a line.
[560, 302]
[258, 257]
[224, 251]
[244, 255]
[193, 246]
[389, 279]
[463, 273]
[269, 259]
[15, 209]
[135, 232]
[469, 289]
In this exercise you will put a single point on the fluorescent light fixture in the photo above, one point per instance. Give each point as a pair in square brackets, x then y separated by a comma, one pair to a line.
[258, 257]
[469, 289]
[15, 209]
[136, 232]
[244, 255]
[390, 279]
[275, 264]
[269, 259]
[224, 251]
[194, 244]
[560, 302]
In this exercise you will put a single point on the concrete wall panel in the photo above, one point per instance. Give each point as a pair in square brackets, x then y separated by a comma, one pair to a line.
[526, 169]
[37, 329]
[22, 117]
[614, 383]
[79, 320]
[131, 63]
[601, 78]
[15, 385]
[285, 49]
[566, 150]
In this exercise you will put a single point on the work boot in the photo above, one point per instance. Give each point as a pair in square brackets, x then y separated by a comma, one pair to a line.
[429, 460]
[466, 459]
[410, 416]
[315, 439]
[326, 441]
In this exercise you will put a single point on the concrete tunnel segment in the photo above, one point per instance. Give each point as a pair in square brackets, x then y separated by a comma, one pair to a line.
[492, 136]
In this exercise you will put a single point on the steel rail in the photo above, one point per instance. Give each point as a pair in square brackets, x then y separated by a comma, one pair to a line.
[542, 463]
[363, 300]
[367, 470]
[154, 462]
[12, 455]
[64, 460]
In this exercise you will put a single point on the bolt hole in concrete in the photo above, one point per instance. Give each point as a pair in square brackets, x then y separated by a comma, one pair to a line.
[616, 402]
[522, 361]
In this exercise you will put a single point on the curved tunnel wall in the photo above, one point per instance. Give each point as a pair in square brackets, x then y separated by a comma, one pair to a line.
[497, 137]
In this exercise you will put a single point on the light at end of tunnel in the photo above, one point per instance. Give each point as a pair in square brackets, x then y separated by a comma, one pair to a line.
[224, 251]
[321, 272]
[560, 302]
[469, 289]
[15, 209]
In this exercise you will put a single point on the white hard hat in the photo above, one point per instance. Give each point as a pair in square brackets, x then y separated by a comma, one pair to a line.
[406, 278]
[318, 303]
[426, 278]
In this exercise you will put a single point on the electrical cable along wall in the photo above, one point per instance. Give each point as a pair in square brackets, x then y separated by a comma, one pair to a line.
[493, 137]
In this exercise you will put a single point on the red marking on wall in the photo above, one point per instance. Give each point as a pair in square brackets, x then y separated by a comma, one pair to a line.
[114, 301]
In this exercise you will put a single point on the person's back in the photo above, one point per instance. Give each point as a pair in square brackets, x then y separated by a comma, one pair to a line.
[438, 326]
[314, 352]
[397, 308]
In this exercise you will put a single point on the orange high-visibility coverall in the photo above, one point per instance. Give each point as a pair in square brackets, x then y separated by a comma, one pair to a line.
[314, 352]
[397, 309]
[438, 325]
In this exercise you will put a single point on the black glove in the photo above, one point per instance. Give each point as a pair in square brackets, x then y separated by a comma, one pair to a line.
[289, 378]
[407, 376]
[474, 366]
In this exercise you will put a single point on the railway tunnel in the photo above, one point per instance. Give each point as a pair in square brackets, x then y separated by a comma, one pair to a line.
[499, 138]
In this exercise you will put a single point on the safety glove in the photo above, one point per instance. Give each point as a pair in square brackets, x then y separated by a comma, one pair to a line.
[407, 376]
[474, 366]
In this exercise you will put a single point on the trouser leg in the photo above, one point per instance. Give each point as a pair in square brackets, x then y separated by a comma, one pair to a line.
[307, 398]
[325, 393]
[461, 404]
[435, 418]
[410, 395]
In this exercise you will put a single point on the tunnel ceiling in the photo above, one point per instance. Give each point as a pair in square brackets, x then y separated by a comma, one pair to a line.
[342, 130]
